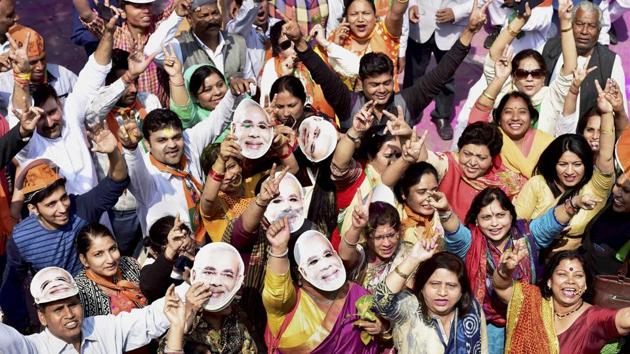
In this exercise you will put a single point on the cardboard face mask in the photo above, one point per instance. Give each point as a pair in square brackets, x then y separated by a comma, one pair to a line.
[289, 203]
[317, 138]
[219, 265]
[252, 128]
[318, 262]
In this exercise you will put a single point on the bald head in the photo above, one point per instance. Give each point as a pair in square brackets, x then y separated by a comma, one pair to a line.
[7, 17]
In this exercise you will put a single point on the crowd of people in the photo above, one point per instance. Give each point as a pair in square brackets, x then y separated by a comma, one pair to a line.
[248, 176]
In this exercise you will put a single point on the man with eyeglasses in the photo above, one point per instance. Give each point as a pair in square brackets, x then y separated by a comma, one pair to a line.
[587, 24]
[204, 43]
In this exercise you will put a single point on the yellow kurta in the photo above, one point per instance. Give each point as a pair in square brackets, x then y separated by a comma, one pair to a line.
[536, 198]
[514, 159]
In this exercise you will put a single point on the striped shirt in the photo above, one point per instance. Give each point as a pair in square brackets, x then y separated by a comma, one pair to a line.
[34, 247]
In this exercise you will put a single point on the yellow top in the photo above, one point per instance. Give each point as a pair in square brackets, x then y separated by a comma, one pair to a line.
[305, 331]
[536, 198]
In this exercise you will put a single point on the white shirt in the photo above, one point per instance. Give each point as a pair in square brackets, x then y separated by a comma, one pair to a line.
[536, 29]
[165, 33]
[106, 334]
[159, 193]
[70, 151]
[243, 25]
[59, 77]
[446, 34]
[569, 124]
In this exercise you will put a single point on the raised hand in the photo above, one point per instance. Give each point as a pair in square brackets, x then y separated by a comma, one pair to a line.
[129, 134]
[511, 258]
[614, 96]
[396, 124]
[172, 65]
[415, 149]
[439, 202]
[284, 139]
[272, 110]
[229, 148]
[239, 85]
[270, 188]
[103, 140]
[19, 55]
[137, 62]
[177, 240]
[603, 105]
[111, 25]
[28, 119]
[174, 308]
[5, 62]
[586, 201]
[414, 14]
[579, 74]
[477, 17]
[361, 212]
[291, 29]
[342, 32]
[182, 7]
[278, 234]
[565, 10]
[317, 32]
[503, 66]
[423, 249]
[362, 120]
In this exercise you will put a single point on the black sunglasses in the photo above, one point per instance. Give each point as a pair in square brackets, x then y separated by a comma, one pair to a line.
[285, 45]
[522, 74]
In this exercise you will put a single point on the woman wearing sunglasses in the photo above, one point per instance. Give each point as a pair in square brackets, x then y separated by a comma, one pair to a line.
[284, 62]
[526, 73]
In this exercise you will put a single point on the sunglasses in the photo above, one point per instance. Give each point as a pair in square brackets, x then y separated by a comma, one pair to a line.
[285, 45]
[522, 74]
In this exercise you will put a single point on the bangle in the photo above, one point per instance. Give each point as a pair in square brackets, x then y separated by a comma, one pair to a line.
[444, 216]
[281, 255]
[512, 32]
[343, 238]
[173, 351]
[566, 29]
[216, 176]
[486, 95]
[401, 274]
[23, 76]
[261, 205]
[606, 131]
[176, 83]
[355, 139]
[403, 1]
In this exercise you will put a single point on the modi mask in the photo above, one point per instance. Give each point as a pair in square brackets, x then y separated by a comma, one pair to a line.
[252, 128]
[318, 262]
[289, 203]
[317, 138]
[220, 266]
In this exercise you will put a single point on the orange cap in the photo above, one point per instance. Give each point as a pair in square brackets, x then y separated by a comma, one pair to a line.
[622, 152]
[36, 48]
[37, 175]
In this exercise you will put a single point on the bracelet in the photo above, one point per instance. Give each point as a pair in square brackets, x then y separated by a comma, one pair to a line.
[216, 176]
[21, 82]
[282, 255]
[403, 1]
[566, 29]
[512, 32]
[606, 131]
[343, 238]
[23, 76]
[401, 274]
[486, 95]
[176, 83]
[173, 351]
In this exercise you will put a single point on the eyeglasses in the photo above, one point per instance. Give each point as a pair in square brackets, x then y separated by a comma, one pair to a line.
[522, 74]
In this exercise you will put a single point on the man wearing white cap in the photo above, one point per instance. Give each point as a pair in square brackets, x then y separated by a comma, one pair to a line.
[59, 310]
[204, 43]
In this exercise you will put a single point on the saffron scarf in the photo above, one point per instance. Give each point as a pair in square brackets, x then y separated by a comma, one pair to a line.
[483, 254]
[413, 220]
[124, 295]
[530, 327]
[192, 190]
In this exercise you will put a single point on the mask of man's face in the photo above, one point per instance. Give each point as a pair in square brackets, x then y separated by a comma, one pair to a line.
[253, 129]
[317, 138]
[220, 267]
[318, 262]
[289, 203]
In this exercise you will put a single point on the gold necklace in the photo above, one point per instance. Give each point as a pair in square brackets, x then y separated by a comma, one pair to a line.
[561, 316]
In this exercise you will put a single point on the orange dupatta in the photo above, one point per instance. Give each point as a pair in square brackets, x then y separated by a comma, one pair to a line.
[129, 291]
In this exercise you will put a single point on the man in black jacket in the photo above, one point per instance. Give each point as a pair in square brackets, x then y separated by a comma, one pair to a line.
[376, 72]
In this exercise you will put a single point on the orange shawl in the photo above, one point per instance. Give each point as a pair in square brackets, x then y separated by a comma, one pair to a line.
[124, 295]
